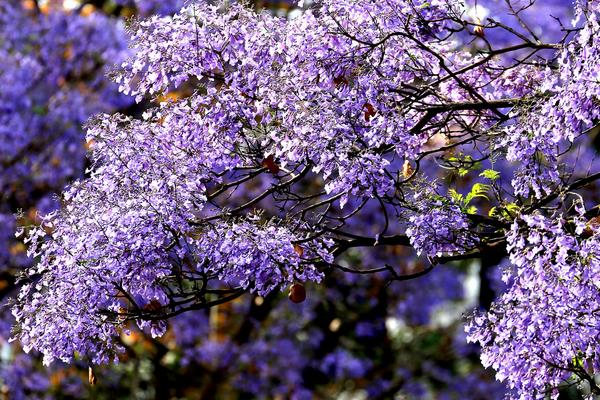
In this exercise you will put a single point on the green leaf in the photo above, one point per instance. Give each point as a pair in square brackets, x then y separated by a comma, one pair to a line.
[455, 196]
[463, 171]
[490, 174]
[512, 208]
[39, 110]
[471, 210]
[478, 190]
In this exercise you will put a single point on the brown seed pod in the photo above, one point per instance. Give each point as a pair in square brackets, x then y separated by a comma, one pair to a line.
[479, 31]
[154, 305]
[592, 226]
[340, 80]
[299, 250]
[407, 169]
[91, 376]
[269, 163]
[369, 111]
[122, 314]
[297, 293]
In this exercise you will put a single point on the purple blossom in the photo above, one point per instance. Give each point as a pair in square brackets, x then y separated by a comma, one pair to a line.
[440, 229]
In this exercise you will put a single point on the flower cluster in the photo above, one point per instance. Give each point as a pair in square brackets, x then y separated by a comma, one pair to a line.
[567, 108]
[273, 78]
[259, 258]
[440, 229]
[542, 330]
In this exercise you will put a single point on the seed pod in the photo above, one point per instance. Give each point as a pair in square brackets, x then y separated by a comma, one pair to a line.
[479, 31]
[91, 376]
[297, 293]
[154, 305]
[340, 80]
[298, 249]
[407, 169]
[369, 111]
[269, 163]
[592, 226]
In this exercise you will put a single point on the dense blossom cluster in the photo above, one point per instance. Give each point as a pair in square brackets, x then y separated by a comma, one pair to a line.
[267, 81]
[285, 152]
[544, 328]
[440, 229]
[568, 107]
[258, 258]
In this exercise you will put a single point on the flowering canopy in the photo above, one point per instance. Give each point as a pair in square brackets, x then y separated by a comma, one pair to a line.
[273, 137]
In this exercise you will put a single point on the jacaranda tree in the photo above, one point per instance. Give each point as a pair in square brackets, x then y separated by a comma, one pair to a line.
[333, 156]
